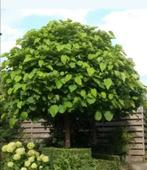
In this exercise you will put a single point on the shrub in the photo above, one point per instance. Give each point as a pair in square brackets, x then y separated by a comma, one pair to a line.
[70, 159]
[16, 156]
[107, 164]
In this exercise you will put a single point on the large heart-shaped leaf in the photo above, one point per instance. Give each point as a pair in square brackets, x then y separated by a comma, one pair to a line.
[102, 66]
[17, 78]
[98, 116]
[53, 110]
[90, 71]
[78, 80]
[12, 122]
[91, 100]
[93, 92]
[64, 59]
[72, 87]
[107, 83]
[68, 77]
[83, 93]
[103, 94]
[58, 84]
[62, 108]
[40, 63]
[24, 115]
[108, 115]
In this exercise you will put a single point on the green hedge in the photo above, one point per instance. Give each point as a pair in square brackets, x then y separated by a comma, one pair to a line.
[70, 159]
[107, 164]
[78, 159]
[83, 153]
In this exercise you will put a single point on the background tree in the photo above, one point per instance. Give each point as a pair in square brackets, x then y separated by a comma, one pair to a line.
[65, 68]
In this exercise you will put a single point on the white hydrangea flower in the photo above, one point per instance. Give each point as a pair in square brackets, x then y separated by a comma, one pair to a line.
[34, 166]
[4, 148]
[40, 167]
[11, 147]
[20, 151]
[31, 152]
[45, 159]
[18, 144]
[27, 163]
[30, 145]
[10, 164]
[31, 159]
[16, 157]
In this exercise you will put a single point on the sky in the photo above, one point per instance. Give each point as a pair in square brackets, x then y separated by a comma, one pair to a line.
[126, 18]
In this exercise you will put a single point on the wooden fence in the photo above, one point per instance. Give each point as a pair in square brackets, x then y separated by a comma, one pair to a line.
[136, 125]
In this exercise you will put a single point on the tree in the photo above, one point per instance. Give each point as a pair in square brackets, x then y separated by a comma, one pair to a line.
[66, 67]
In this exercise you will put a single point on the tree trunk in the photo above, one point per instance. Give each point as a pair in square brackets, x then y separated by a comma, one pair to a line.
[67, 142]
[94, 135]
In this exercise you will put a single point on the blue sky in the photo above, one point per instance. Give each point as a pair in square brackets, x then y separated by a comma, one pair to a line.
[126, 18]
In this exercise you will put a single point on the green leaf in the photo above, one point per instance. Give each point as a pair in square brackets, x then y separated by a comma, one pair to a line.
[40, 62]
[108, 115]
[68, 104]
[30, 100]
[91, 56]
[78, 80]
[62, 108]
[91, 100]
[72, 87]
[83, 93]
[12, 122]
[58, 84]
[49, 67]
[17, 78]
[10, 91]
[103, 94]
[110, 96]
[102, 66]
[16, 87]
[68, 77]
[123, 76]
[36, 40]
[72, 65]
[60, 48]
[94, 92]
[107, 83]
[53, 110]
[24, 86]
[27, 58]
[3, 116]
[19, 104]
[90, 71]
[98, 116]
[64, 59]
[24, 115]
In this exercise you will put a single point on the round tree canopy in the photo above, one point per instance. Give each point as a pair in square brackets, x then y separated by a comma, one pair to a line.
[68, 67]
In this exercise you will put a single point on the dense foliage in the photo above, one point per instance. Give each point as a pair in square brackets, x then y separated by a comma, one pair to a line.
[78, 159]
[68, 67]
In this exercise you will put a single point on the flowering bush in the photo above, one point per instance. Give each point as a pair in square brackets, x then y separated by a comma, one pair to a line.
[23, 157]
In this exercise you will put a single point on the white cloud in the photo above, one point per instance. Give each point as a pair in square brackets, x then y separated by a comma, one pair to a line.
[9, 36]
[130, 28]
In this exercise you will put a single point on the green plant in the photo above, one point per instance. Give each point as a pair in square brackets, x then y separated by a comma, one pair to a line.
[66, 67]
[17, 156]
[107, 164]
[70, 159]
[120, 140]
